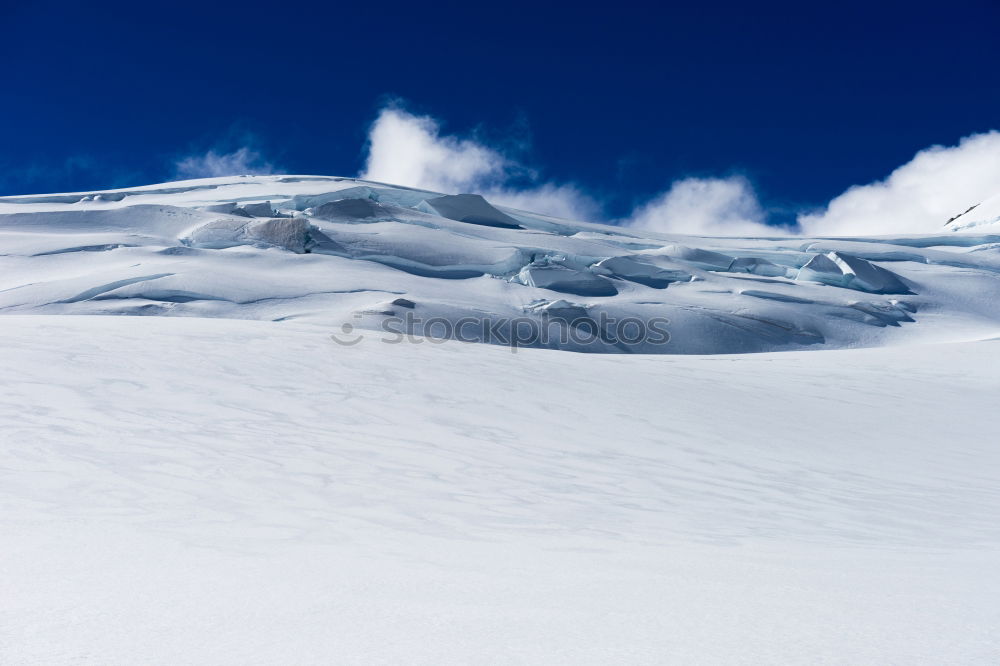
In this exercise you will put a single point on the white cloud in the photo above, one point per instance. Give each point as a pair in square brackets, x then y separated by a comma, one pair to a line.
[404, 149]
[565, 201]
[240, 162]
[409, 150]
[705, 206]
[920, 196]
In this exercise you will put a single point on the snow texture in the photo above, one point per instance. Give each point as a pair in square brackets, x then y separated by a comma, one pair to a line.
[318, 249]
[253, 470]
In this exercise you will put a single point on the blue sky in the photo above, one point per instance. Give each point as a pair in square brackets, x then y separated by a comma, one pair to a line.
[800, 100]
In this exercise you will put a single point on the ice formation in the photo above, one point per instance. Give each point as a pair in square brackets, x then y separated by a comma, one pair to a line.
[317, 249]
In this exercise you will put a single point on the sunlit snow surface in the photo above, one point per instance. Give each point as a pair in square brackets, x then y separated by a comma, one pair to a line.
[330, 251]
[229, 485]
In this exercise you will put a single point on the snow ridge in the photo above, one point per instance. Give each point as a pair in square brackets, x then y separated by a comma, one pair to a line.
[313, 249]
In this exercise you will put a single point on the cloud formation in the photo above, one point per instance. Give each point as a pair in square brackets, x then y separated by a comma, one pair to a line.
[410, 150]
[920, 196]
[706, 207]
[242, 161]
[565, 201]
[405, 149]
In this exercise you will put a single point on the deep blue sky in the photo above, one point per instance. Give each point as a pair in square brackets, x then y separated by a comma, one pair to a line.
[805, 98]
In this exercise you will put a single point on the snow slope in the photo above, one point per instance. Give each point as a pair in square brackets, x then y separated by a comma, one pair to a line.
[234, 486]
[235, 492]
[983, 216]
[333, 251]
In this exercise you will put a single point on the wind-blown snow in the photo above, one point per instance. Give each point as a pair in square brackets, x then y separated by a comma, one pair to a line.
[220, 482]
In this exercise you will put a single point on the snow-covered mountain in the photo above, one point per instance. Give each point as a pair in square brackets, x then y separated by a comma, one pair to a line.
[332, 251]
[984, 216]
[250, 474]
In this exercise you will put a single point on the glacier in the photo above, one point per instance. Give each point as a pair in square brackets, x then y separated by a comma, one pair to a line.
[214, 450]
[320, 250]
